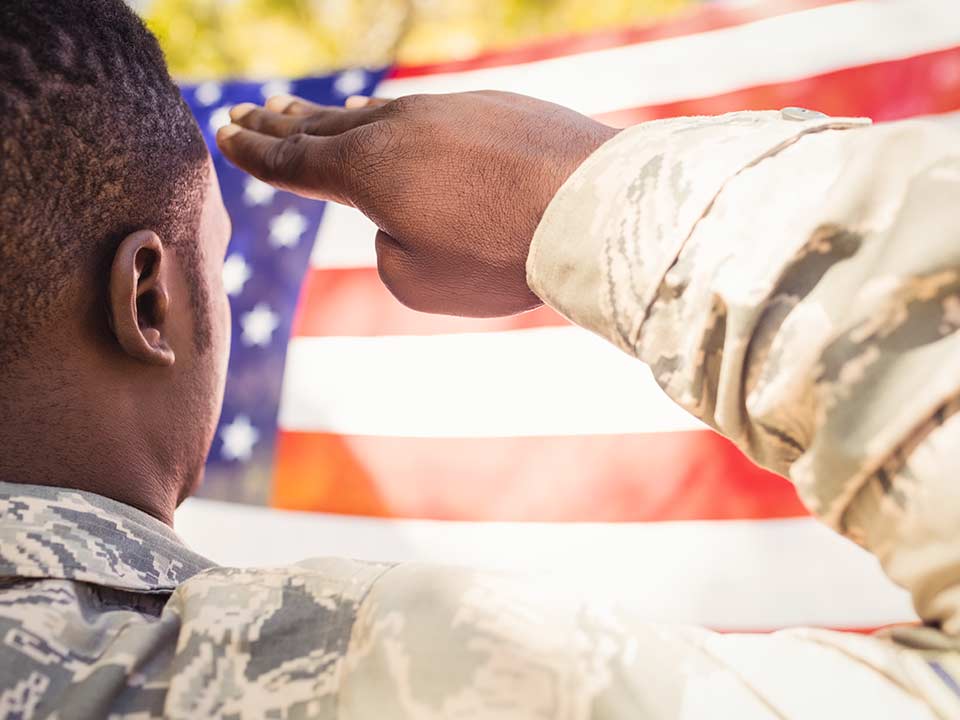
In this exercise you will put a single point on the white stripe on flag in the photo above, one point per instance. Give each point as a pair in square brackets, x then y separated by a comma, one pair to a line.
[345, 239]
[730, 575]
[946, 118]
[772, 50]
[542, 381]
[778, 49]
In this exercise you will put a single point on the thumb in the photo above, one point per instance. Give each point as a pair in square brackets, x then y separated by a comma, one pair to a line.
[303, 164]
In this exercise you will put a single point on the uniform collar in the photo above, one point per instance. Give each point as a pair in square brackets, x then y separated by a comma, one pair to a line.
[48, 532]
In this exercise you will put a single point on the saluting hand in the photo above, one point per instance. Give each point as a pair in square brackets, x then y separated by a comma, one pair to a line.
[457, 183]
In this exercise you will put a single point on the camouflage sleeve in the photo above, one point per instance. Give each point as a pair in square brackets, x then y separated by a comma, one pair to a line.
[441, 642]
[792, 283]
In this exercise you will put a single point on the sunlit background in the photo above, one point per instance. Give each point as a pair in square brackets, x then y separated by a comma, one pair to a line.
[265, 38]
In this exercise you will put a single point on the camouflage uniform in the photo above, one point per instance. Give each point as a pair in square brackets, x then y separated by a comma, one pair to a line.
[764, 268]
[794, 281]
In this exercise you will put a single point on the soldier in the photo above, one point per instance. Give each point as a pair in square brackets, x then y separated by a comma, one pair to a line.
[816, 328]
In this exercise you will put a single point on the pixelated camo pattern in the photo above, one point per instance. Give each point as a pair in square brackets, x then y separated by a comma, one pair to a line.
[337, 639]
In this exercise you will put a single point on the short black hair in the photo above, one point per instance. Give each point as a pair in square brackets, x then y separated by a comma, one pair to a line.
[96, 142]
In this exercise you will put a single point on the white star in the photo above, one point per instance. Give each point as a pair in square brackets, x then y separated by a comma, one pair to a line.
[236, 272]
[350, 82]
[208, 93]
[239, 437]
[220, 118]
[258, 325]
[287, 228]
[257, 192]
[275, 87]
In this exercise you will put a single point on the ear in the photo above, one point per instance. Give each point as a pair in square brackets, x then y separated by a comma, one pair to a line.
[140, 298]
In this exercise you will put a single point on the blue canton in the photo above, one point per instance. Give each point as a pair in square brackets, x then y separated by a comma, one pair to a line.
[273, 236]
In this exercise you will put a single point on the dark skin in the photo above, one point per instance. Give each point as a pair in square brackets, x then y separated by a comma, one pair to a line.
[119, 400]
[456, 183]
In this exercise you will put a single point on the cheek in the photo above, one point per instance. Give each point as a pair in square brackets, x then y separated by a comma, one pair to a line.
[219, 320]
[222, 335]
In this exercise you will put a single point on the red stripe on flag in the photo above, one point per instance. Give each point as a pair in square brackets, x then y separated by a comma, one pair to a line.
[355, 302]
[695, 475]
[698, 20]
[926, 85]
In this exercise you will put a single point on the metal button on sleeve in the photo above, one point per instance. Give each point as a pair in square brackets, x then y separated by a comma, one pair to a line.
[798, 113]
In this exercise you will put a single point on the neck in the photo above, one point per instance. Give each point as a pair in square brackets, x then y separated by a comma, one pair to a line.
[158, 505]
[75, 435]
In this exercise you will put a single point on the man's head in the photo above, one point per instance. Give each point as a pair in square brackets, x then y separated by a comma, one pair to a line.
[113, 321]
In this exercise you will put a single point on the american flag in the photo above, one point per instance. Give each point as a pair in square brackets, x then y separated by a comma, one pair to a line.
[269, 254]
[524, 442]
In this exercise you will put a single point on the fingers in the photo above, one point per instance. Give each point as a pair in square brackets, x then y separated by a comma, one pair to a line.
[298, 145]
[322, 121]
[299, 163]
[326, 121]
[254, 118]
[292, 105]
[362, 101]
[396, 269]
